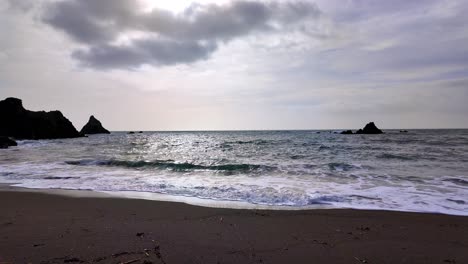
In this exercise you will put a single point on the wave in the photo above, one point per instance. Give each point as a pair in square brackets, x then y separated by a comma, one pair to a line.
[393, 156]
[59, 178]
[456, 201]
[254, 142]
[338, 166]
[323, 147]
[296, 157]
[457, 181]
[172, 165]
[327, 200]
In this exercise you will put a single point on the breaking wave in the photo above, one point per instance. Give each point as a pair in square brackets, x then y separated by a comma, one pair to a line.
[172, 165]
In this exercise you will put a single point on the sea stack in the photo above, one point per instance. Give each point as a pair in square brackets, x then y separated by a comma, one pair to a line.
[370, 128]
[19, 123]
[93, 126]
[6, 142]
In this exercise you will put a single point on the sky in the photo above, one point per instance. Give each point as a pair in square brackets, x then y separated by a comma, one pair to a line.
[236, 65]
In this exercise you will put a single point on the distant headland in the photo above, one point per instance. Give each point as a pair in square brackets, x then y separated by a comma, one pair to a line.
[19, 123]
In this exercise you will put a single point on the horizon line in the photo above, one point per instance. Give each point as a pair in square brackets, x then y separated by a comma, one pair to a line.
[266, 130]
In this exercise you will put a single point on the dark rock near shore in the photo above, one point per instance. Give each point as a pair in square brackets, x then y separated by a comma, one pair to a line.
[93, 126]
[370, 128]
[6, 142]
[347, 132]
[19, 123]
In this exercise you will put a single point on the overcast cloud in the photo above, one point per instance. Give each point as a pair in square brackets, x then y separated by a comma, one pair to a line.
[285, 64]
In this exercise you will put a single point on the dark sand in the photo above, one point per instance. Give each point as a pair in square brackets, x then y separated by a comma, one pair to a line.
[44, 228]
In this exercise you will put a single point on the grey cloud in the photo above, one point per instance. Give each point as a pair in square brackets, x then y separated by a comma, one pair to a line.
[147, 51]
[21, 5]
[425, 40]
[170, 38]
[89, 21]
[355, 10]
[80, 27]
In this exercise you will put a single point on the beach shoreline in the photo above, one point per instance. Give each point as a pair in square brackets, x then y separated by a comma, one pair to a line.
[162, 197]
[288, 170]
[40, 227]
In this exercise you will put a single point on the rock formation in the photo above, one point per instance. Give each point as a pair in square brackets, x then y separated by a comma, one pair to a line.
[370, 128]
[346, 132]
[6, 142]
[93, 126]
[19, 123]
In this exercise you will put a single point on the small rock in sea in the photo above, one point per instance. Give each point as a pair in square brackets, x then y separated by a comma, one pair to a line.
[93, 126]
[346, 132]
[140, 132]
[6, 142]
[131, 132]
[403, 131]
[140, 234]
[370, 128]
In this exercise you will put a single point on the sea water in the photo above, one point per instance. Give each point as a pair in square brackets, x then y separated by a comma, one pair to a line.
[422, 170]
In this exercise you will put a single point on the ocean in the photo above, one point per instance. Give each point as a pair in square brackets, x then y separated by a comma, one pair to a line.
[420, 171]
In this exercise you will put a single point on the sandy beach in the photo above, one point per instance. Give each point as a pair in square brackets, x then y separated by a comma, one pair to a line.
[49, 228]
[234, 131]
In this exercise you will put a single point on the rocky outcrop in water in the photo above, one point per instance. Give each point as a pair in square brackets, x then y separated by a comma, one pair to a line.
[370, 128]
[93, 126]
[19, 123]
[6, 142]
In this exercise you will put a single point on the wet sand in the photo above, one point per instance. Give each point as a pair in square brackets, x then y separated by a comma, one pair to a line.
[48, 228]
